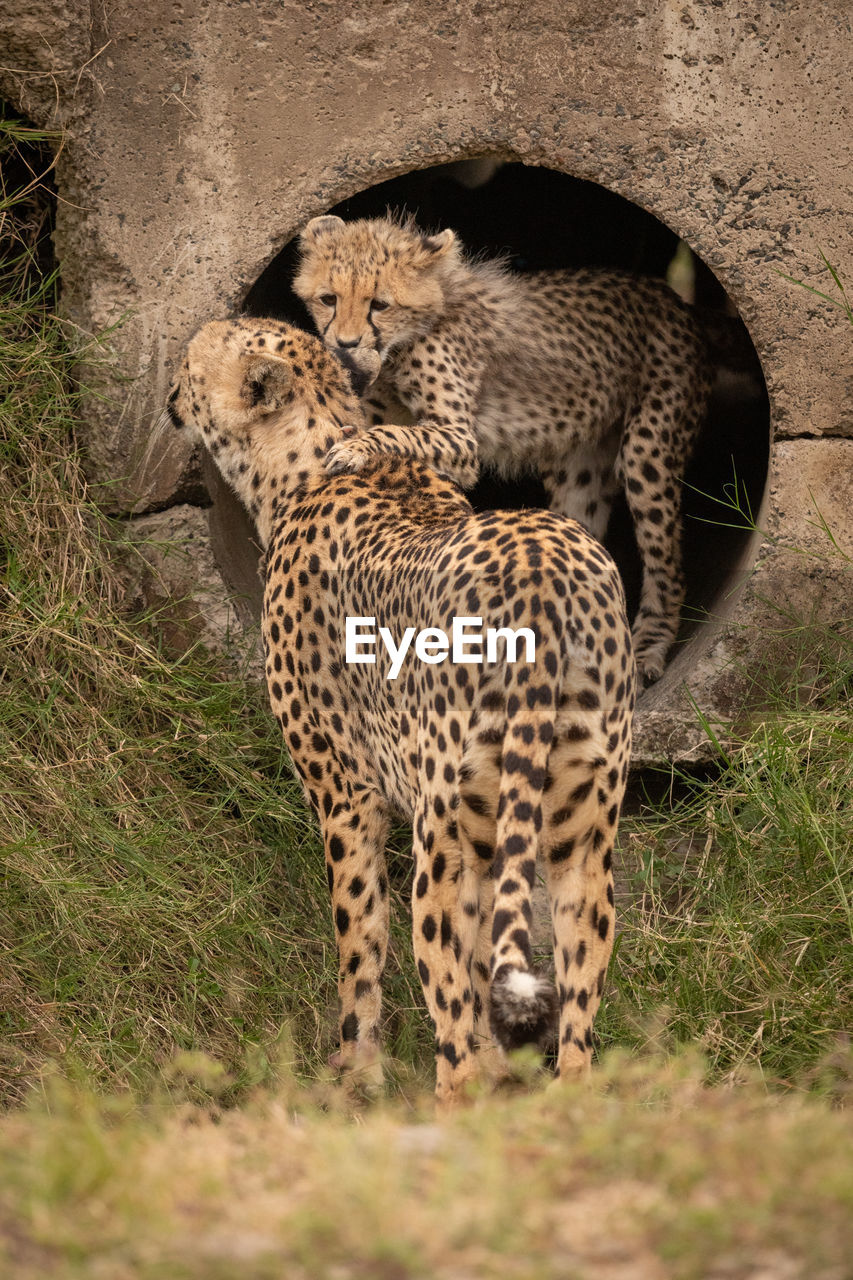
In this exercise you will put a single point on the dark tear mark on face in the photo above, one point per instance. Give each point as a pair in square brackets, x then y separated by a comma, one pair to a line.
[176, 419]
[358, 377]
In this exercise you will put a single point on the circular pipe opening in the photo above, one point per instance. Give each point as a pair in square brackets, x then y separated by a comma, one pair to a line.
[538, 219]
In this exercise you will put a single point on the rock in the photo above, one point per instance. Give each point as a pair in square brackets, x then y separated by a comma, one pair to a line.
[171, 570]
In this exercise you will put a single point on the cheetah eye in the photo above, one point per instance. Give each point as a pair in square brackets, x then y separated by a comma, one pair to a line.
[328, 299]
[378, 305]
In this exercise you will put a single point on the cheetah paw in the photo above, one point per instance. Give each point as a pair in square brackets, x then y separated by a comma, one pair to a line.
[649, 670]
[348, 455]
[360, 1068]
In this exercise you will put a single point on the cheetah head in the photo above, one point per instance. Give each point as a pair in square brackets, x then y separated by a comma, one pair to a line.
[266, 399]
[241, 376]
[374, 284]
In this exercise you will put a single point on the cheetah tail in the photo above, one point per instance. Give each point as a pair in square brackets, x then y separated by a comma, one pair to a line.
[523, 1006]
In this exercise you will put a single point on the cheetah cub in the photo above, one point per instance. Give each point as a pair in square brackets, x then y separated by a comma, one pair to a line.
[509, 754]
[595, 379]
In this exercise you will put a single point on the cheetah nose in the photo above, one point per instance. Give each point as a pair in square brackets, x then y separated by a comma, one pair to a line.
[346, 346]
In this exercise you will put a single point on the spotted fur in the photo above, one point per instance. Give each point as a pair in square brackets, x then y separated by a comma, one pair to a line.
[494, 764]
[596, 379]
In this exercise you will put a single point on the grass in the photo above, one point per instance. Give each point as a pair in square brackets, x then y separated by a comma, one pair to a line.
[647, 1175]
[739, 922]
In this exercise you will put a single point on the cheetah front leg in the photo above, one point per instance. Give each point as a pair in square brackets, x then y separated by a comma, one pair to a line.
[354, 837]
[438, 384]
[449, 448]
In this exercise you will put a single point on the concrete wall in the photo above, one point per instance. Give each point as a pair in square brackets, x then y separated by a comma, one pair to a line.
[201, 135]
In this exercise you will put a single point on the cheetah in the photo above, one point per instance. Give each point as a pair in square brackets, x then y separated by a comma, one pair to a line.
[492, 762]
[595, 379]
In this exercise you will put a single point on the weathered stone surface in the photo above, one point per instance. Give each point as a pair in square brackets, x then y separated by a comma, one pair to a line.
[45, 57]
[203, 134]
[171, 569]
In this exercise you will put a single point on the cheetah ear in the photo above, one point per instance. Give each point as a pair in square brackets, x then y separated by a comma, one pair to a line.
[440, 244]
[266, 383]
[320, 227]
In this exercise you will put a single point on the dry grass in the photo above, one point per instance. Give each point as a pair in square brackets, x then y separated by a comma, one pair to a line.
[648, 1175]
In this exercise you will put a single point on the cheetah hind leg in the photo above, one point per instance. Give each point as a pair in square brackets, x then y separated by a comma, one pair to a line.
[477, 833]
[578, 835]
[354, 836]
[585, 487]
[445, 921]
[653, 472]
